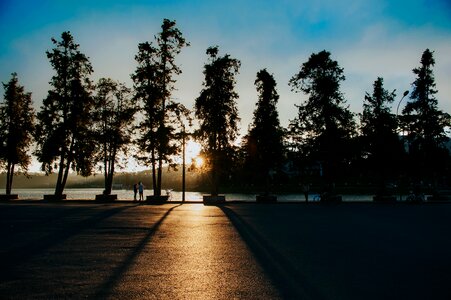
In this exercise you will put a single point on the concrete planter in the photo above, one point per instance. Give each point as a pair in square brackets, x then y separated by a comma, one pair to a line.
[266, 198]
[54, 198]
[212, 200]
[9, 197]
[331, 198]
[439, 198]
[384, 199]
[106, 198]
[157, 199]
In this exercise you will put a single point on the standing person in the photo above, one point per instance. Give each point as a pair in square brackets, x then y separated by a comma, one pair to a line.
[141, 191]
[135, 191]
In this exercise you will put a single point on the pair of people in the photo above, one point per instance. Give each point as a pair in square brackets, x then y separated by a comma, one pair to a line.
[138, 187]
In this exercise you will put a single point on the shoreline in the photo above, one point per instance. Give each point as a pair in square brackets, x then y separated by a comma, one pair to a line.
[200, 201]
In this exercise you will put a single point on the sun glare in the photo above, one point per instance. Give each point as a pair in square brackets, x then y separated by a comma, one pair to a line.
[192, 150]
[198, 161]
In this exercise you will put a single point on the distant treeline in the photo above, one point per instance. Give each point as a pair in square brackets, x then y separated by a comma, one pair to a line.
[122, 180]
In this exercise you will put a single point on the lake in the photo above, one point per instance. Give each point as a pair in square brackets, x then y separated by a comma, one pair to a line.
[90, 193]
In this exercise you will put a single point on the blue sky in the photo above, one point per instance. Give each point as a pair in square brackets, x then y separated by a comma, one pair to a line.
[367, 38]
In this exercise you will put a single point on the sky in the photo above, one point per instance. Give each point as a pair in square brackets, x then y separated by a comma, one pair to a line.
[368, 39]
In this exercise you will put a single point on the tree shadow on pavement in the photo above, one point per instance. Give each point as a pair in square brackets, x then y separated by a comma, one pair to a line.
[286, 277]
[19, 255]
[106, 289]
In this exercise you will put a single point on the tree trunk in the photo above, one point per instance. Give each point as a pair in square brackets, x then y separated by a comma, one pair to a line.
[59, 180]
[215, 174]
[66, 174]
[109, 175]
[183, 165]
[267, 181]
[105, 169]
[9, 177]
[108, 184]
[154, 179]
[157, 189]
[8, 188]
[64, 170]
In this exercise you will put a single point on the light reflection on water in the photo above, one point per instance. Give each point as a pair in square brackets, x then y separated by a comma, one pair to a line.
[90, 193]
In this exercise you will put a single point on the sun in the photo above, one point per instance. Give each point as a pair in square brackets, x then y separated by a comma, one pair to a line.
[198, 161]
[192, 150]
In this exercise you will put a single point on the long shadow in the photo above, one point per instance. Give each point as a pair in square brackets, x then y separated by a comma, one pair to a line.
[107, 287]
[285, 276]
[13, 258]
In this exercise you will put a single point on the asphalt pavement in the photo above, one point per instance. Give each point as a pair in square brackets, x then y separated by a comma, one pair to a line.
[75, 250]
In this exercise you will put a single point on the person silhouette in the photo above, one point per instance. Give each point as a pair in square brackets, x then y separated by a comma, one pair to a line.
[306, 189]
[141, 191]
[135, 191]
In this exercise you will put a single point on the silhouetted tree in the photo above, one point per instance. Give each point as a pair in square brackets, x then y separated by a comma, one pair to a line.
[263, 144]
[63, 133]
[379, 138]
[324, 124]
[113, 119]
[154, 85]
[425, 122]
[217, 113]
[16, 129]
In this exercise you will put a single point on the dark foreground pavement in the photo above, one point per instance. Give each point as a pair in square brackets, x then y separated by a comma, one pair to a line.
[235, 251]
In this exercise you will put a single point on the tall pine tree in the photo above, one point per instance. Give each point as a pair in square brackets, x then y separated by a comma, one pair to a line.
[16, 129]
[380, 143]
[154, 84]
[64, 137]
[113, 125]
[324, 124]
[426, 123]
[217, 113]
[263, 144]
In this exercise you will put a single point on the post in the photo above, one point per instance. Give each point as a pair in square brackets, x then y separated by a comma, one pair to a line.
[397, 118]
[403, 96]
[183, 164]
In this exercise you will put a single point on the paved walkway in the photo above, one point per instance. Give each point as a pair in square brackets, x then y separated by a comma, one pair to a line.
[126, 252]
[236, 251]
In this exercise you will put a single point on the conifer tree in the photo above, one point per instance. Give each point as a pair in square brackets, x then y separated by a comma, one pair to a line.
[379, 138]
[263, 144]
[217, 113]
[16, 129]
[113, 121]
[64, 137]
[154, 84]
[324, 124]
[425, 122]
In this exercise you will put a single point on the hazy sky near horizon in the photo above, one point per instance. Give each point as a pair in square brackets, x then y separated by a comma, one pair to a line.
[368, 38]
